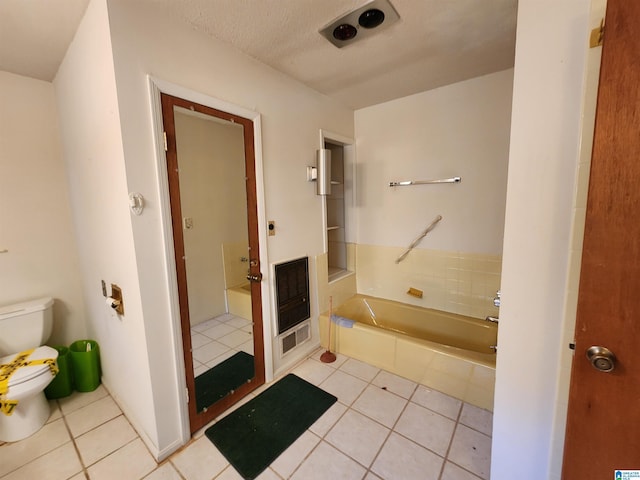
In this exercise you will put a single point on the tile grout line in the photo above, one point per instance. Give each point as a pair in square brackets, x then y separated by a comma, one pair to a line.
[73, 441]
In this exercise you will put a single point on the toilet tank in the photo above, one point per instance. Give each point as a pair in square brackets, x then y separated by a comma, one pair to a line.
[25, 325]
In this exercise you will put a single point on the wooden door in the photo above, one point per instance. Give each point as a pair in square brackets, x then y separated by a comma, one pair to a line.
[603, 425]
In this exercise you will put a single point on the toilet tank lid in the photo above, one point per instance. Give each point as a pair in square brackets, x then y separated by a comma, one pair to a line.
[23, 308]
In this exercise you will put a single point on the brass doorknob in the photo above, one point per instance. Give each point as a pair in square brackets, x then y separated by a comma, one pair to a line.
[601, 358]
[255, 278]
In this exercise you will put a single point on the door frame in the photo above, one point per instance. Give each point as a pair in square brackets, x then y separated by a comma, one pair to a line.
[156, 87]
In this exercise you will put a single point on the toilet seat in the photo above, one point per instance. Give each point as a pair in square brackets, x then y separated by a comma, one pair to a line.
[30, 371]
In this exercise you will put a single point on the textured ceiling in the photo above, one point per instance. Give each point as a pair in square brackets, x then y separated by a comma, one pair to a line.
[435, 42]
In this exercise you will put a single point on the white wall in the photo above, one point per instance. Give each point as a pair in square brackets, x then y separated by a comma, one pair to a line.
[544, 153]
[90, 129]
[457, 130]
[35, 214]
[110, 148]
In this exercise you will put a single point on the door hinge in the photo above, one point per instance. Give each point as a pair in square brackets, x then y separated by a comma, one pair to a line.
[597, 35]
[186, 393]
[164, 136]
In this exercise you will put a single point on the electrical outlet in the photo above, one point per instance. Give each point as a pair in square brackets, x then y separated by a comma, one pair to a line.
[188, 223]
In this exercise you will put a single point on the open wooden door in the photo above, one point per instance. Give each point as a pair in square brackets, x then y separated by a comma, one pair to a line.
[603, 425]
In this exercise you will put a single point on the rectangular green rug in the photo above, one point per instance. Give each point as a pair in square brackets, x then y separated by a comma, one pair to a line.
[255, 434]
[218, 381]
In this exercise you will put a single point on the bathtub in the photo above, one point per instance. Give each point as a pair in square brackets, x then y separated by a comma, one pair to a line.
[239, 300]
[445, 351]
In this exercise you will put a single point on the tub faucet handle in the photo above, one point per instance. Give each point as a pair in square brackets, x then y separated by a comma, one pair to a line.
[496, 300]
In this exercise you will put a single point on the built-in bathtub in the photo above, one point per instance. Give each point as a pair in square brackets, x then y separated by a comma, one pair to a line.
[239, 300]
[452, 353]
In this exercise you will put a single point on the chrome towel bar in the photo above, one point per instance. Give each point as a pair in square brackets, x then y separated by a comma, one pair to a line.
[425, 182]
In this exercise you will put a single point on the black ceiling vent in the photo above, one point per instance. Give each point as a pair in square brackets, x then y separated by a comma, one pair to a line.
[360, 23]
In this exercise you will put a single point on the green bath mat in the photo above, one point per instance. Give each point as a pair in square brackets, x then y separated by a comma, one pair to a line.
[255, 434]
[218, 381]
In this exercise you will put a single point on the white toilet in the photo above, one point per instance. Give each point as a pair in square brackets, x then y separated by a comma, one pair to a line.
[23, 406]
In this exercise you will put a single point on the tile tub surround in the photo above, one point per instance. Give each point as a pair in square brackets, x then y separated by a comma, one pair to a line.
[457, 282]
[382, 427]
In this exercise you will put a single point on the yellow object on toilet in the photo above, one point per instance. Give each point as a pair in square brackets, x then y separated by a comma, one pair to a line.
[8, 369]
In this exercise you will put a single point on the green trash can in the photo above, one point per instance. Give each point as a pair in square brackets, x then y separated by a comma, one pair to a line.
[62, 385]
[85, 358]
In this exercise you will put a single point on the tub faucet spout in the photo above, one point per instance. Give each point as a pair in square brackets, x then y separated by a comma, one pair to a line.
[492, 319]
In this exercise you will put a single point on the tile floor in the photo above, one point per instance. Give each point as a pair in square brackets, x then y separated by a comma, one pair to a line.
[382, 427]
[217, 339]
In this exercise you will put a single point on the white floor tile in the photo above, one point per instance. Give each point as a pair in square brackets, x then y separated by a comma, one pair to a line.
[348, 434]
[209, 351]
[218, 331]
[454, 472]
[78, 400]
[394, 384]
[328, 419]
[200, 460]
[58, 464]
[237, 322]
[291, 458]
[471, 450]
[429, 429]
[92, 415]
[132, 462]
[230, 473]
[313, 372]
[105, 439]
[235, 338]
[381, 405]
[198, 340]
[268, 474]
[164, 472]
[477, 418]
[344, 386]
[360, 369]
[17, 454]
[401, 459]
[326, 462]
[437, 401]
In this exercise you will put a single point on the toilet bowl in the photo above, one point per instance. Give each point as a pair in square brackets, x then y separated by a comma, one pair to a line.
[23, 406]
[26, 368]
